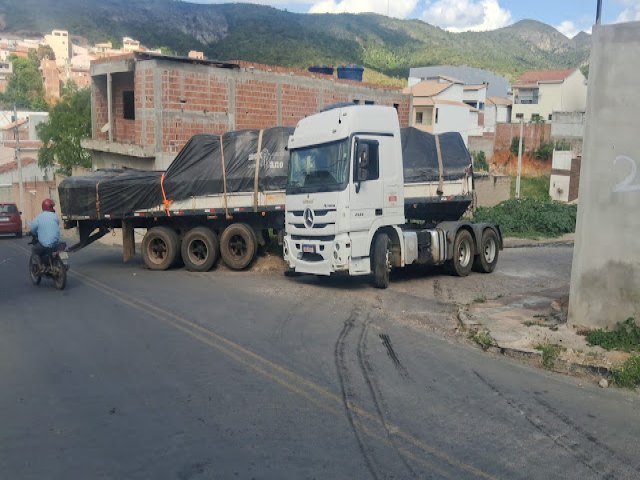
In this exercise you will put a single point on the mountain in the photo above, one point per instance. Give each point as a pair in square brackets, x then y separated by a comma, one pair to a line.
[268, 35]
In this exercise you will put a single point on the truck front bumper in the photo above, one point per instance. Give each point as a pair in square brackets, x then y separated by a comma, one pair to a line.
[317, 256]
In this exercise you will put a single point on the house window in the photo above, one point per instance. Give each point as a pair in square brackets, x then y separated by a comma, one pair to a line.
[437, 109]
[419, 119]
[128, 103]
[356, 102]
[550, 116]
[396, 106]
[369, 102]
[519, 116]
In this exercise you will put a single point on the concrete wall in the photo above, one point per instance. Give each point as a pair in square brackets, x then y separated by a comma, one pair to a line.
[568, 124]
[491, 189]
[605, 276]
[565, 176]
[484, 144]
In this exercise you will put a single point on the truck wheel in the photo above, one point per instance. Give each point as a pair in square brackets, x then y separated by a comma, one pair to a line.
[463, 252]
[199, 249]
[381, 261]
[487, 258]
[160, 248]
[238, 246]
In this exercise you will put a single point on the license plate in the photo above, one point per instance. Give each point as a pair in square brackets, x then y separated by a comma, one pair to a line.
[308, 249]
[64, 256]
[4, 219]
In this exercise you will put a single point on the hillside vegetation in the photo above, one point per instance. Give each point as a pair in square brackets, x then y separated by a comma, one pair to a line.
[268, 35]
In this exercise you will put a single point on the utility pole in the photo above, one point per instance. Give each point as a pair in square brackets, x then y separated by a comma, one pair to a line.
[18, 160]
[519, 160]
[598, 12]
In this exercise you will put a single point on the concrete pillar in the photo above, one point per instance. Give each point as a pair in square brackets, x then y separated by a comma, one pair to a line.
[605, 276]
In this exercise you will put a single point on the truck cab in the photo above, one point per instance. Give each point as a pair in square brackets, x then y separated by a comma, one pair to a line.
[345, 183]
[345, 202]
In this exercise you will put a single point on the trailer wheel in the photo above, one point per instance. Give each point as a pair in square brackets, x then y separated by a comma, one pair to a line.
[238, 245]
[160, 247]
[199, 249]
[463, 253]
[381, 261]
[487, 258]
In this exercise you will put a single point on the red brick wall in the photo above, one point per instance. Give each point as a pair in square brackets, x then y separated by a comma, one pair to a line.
[256, 104]
[124, 130]
[534, 134]
[199, 99]
[177, 131]
[100, 107]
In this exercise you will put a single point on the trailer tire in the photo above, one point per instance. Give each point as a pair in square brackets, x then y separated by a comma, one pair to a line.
[199, 249]
[487, 258]
[160, 247]
[463, 253]
[238, 246]
[381, 260]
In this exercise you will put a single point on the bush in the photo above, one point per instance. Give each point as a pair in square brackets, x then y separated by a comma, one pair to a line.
[544, 152]
[532, 187]
[625, 336]
[480, 161]
[530, 218]
[515, 143]
[628, 374]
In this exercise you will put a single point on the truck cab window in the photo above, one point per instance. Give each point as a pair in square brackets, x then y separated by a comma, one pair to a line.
[367, 162]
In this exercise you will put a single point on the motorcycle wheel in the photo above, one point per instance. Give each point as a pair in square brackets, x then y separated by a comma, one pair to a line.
[59, 275]
[33, 271]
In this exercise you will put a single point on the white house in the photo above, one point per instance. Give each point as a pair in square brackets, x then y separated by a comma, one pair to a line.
[438, 107]
[496, 110]
[537, 94]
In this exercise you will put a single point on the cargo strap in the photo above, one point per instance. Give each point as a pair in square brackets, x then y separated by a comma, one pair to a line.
[440, 190]
[167, 203]
[224, 180]
[257, 173]
[98, 199]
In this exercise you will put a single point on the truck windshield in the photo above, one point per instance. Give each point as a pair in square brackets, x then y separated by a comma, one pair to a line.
[320, 168]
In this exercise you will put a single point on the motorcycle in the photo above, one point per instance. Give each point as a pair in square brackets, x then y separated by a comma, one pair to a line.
[53, 263]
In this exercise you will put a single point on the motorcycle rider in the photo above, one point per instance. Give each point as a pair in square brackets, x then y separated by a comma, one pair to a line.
[46, 228]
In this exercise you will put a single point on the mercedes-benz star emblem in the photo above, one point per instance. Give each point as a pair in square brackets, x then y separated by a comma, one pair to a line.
[308, 217]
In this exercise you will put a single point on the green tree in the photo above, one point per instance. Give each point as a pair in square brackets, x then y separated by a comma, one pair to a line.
[25, 88]
[69, 122]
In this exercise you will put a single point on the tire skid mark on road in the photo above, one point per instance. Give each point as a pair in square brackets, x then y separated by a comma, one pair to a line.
[413, 448]
[376, 393]
[606, 450]
[348, 395]
[572, 446]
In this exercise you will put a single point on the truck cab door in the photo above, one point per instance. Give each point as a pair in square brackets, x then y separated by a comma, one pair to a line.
[366, 189]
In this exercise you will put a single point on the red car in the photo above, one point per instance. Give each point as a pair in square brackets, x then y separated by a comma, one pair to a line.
[10, 220]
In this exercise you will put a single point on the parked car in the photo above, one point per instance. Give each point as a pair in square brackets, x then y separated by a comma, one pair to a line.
[10, 219]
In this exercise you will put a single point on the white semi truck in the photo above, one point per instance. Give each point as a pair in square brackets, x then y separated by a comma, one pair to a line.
[362, 198]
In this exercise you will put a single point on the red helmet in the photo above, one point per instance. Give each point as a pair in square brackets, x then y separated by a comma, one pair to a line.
[48, 205]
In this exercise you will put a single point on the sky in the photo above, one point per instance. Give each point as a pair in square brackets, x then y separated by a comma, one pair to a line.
[567, 16]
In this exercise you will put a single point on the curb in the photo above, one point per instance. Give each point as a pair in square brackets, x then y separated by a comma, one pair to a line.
[560, 365]
[511, 242]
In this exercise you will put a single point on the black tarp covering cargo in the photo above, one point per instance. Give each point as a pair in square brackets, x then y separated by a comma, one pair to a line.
[109, 192]
[197, 170]
[420, 156]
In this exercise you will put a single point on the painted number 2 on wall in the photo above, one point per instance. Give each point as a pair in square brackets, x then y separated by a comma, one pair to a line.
[630, 183]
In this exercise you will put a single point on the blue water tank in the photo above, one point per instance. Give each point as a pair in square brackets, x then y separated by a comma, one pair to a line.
[323, 69]
[350, 72]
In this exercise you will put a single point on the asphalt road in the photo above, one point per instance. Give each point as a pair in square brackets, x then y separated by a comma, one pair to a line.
[134, 374]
